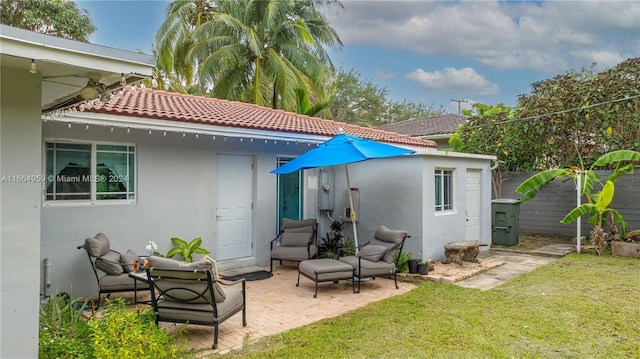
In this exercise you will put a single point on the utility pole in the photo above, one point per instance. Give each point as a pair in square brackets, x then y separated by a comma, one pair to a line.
[458, 101]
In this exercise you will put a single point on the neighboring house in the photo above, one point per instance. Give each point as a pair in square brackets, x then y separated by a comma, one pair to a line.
[436, 128]
[151, 165]
[62, 68]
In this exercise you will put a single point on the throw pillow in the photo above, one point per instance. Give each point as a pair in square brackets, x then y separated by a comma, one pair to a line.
[98, 245]
[163, 263]
[307, 229]
[394, 238]
[110, 263]
[292, 223]
[168, 263]
[127, 260]
[372, 252]
[289, 239]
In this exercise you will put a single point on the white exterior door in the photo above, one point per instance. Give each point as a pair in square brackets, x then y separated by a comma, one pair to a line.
[473, 205]
[233, 213]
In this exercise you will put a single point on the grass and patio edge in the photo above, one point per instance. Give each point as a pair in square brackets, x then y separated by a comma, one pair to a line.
[579, 306]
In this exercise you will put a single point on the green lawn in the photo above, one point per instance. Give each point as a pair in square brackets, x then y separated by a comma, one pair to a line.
[582, 306]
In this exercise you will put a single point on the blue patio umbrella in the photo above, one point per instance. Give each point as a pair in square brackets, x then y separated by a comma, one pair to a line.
[343, 149]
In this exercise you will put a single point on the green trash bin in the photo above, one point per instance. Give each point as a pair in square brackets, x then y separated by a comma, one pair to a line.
[504, 221]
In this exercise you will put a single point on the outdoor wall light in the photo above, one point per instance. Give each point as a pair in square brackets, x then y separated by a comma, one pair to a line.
[33, 68]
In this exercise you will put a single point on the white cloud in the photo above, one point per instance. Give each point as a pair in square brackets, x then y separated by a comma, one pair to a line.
[384, 75]
[463, 82]
[550, 37]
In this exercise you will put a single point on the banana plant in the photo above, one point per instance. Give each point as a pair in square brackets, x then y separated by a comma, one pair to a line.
[598, 203]
[185, 250]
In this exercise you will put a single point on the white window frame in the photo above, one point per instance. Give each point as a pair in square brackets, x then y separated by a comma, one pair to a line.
[446, 178]
[93, 200]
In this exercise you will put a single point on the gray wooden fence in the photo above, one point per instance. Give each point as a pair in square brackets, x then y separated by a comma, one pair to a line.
[543, 214]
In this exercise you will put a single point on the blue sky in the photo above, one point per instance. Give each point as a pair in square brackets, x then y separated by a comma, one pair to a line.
[432, 52]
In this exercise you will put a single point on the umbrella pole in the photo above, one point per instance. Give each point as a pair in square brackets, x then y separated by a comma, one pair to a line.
[352, 213]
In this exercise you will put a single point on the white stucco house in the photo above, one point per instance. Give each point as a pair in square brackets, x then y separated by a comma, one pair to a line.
[38, 72]
[148, 165]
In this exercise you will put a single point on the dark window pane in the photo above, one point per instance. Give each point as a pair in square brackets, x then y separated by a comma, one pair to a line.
[68, 171]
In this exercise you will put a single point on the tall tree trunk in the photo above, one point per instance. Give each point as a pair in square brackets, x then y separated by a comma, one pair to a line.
[274, 100]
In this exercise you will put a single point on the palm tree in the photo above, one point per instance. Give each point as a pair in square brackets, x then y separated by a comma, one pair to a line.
[255, 51]
[303, 103]
[176, 70]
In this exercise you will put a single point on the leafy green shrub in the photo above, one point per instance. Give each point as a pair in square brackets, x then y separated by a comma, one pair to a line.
[122, 333]
[403, 262]
[67, 331]
[64, 332]
[349, 247]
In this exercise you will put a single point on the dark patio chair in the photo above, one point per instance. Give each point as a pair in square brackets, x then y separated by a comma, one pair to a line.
[194, 296]
[296, 242]
[111, 268]
[379, 257]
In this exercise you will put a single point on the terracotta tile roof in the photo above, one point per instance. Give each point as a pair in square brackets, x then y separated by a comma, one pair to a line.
[162, 105]
[436, 125]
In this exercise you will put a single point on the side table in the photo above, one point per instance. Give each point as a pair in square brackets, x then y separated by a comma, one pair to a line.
[139, 276]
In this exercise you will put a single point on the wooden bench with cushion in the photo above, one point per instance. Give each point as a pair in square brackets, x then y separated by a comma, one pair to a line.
[459, 251]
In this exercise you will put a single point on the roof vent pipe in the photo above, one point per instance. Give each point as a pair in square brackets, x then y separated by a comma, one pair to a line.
[47, 277]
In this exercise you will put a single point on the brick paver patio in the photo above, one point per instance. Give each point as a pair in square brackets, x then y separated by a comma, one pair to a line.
[275, 305]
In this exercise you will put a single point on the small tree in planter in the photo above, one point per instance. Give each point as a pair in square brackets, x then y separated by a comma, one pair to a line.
[598, 203]
[333, 242]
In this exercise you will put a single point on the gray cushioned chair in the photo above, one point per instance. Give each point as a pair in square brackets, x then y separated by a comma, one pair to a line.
[296, 242]
[189, 293]
[379, 257]
[110, 267]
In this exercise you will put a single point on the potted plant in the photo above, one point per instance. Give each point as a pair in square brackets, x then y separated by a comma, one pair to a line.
[423, 268]
[598, 205]
[333, 242]
[413, 266]
[185, 250]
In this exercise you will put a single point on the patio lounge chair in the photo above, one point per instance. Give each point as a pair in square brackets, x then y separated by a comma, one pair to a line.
[189, 293]
[296, 242]
[115, 266]
[379, 257]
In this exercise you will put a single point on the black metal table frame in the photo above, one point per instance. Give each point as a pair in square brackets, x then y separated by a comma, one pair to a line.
[139, 276]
